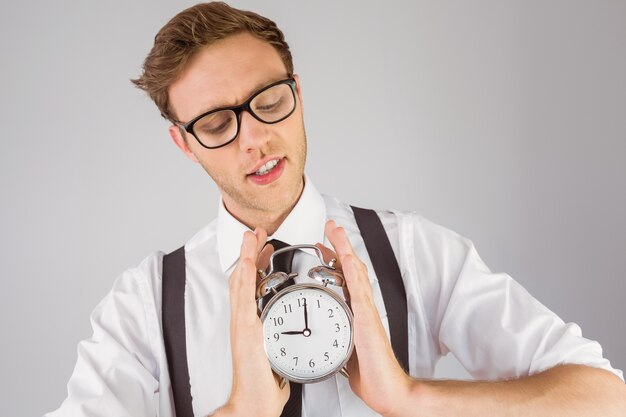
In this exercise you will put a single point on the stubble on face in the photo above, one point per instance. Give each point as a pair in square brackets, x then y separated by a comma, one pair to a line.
[272, 201]
[226, 73]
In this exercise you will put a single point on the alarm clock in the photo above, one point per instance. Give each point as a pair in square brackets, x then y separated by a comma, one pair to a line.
[307, 328]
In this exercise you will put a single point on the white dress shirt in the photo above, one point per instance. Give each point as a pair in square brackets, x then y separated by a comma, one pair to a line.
[494, 327]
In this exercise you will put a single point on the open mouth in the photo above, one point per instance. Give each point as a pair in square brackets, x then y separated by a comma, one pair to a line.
[268, 172]
[268, 167]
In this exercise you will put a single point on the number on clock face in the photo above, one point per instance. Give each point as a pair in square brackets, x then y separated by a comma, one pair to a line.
[307, 332]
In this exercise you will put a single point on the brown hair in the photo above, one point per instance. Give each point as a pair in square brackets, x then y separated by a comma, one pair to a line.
[190, 30]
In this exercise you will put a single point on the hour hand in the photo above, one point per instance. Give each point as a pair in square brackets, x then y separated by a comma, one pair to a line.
[293, 332]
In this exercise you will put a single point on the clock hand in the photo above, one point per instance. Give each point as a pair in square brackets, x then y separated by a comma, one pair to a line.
[292, 332]
[306, 332]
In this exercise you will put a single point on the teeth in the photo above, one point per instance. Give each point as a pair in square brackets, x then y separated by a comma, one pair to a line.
[267, 167]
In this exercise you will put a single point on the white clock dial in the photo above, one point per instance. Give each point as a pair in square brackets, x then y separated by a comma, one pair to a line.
[307, 333]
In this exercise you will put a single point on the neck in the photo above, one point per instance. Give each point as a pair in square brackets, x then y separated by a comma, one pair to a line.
[270, 222]
[267, 219]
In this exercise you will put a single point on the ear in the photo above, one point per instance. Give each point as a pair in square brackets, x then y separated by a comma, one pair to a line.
[298, 89]
[180, 141]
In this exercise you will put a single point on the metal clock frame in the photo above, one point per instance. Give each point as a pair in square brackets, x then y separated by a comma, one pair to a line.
[342, 303]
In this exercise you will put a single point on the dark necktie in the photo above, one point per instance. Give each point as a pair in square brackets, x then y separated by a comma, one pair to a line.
[282, 262]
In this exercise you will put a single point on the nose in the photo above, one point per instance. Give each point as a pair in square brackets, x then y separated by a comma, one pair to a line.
[253, 134]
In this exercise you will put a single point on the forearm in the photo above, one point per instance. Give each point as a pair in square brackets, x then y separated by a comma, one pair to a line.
[568, 390]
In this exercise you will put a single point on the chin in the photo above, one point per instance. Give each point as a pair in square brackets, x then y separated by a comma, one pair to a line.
[275, 201]
[279, 198]
[273, 198]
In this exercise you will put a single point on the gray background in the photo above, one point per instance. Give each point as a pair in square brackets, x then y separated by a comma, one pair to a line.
[502, 120]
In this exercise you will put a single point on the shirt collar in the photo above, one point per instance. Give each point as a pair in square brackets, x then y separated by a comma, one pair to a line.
[304, 224]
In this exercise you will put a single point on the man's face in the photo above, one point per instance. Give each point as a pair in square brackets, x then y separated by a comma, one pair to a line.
[226, 73]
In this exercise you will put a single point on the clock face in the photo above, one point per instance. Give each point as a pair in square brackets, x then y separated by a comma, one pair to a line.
[307, 333]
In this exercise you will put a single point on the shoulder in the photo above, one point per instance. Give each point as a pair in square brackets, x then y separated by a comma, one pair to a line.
[137, 286]
[137, 277]
[144, 280]
[408, 227]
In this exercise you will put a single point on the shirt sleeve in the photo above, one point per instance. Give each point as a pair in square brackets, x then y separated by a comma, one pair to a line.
[116, 373]
[492, 325]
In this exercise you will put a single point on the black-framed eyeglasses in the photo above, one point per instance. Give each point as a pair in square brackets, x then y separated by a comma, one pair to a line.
[219, 127]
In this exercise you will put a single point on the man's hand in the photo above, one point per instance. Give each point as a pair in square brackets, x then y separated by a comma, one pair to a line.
[375, 374]
[377, 378]
[255, 389]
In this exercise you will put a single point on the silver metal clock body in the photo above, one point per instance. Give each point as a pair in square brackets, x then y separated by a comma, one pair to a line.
[308, 333]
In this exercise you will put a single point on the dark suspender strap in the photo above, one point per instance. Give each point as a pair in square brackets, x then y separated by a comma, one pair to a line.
[173, 317]
[390, 279]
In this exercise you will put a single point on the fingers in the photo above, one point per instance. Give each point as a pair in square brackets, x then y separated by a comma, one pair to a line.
[263, 259]
[354, 270]
[261, 235]
[253, 243]
[243, 280]
[338, 238]
[246, 333]
[373, 355]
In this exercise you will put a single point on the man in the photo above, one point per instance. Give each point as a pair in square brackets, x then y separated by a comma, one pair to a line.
[225, 80]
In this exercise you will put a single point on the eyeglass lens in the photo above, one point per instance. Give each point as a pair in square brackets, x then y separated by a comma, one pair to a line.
[270, 106]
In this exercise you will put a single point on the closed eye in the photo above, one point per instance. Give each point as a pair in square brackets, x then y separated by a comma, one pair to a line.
[266, 108]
